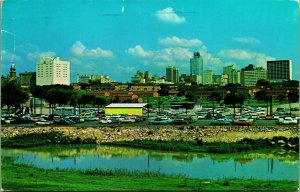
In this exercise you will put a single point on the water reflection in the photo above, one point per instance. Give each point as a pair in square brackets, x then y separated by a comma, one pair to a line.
[259, 164]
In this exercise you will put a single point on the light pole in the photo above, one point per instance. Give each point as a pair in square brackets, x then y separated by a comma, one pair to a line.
[288, 95]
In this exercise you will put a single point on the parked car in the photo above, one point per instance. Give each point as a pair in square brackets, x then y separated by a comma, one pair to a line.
[23, 120]
[90, 118]
[201, 116]
[269, 117]
[242, 121]
[287, 121]
[127, 120]
[64, 122]
[221, 122]
[182, 120]
[160, 121]
[105, 120]
[44, 122]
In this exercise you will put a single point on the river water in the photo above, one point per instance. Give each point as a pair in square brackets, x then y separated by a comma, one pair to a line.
[266, 165]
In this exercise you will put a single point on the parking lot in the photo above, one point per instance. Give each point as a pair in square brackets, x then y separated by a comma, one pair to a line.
[195, 117]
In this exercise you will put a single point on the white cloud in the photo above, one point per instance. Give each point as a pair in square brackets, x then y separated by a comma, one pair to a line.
[178, 56]
[238, 54]
[34, 56]
[247, 40]
[121, 69]
[258, 59]
[180, 42]
[169, 15]
[168, 54]
[139, 51]
[81, 51]
[7, 57]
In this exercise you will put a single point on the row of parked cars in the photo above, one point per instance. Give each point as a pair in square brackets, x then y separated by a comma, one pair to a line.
[45, 119]
[179, 119]
[107, 119]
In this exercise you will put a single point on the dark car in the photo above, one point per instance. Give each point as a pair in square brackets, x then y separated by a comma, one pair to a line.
[64, 122]
[221, 122]
[23, 120]
[182, 120]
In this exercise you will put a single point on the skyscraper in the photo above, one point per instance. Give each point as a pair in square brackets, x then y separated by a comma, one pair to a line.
[172, 74]
[52, 70]
[233, 74]
[196, 66]
[279, 70]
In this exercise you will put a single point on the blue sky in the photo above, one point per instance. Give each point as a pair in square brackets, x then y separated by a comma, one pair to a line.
[119, 37]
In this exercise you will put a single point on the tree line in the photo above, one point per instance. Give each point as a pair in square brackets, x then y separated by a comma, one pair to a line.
[13, 96]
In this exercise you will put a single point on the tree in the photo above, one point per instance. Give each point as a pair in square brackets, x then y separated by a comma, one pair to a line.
[164, 90]
[281, 98]
[116, 99]
[261, 96]
[100, 101]
[214, 96]
[231, 98]
[241, 97]
[263, 82]
[38, 92]
[290, 83]
[191, 96]
[12, 95]
[293, 96]
[86, 99]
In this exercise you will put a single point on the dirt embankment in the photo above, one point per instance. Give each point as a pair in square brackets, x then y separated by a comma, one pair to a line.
[207, 134]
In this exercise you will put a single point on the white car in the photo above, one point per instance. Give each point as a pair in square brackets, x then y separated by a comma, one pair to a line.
[127, 120]
[105, 121]
[44, 122]
[287, 121]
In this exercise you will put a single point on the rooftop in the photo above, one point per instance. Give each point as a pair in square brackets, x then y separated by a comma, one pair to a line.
[124, 105]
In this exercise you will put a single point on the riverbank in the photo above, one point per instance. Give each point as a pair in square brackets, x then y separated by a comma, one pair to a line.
[163, 133]
[25, 177]
[215, 139]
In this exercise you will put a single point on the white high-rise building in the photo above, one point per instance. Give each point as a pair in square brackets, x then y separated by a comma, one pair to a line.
[51, 71]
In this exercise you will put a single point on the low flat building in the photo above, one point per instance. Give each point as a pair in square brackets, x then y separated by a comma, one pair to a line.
[125, 108]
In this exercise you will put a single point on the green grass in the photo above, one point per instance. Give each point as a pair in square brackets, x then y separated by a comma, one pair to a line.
[211, 147]
[40, 139]
[26, 177]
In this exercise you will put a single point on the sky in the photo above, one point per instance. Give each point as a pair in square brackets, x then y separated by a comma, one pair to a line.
[119, 37]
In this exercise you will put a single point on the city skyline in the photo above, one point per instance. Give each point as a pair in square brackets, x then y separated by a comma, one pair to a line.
[126, 36]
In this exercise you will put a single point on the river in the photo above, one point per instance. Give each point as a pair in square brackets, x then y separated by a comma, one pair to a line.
[265, 165]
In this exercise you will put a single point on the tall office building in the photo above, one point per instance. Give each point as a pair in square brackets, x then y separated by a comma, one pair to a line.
[280, 70]
[196, 66]
[208, 77]
[250, 75]
[172, 74]
[233, 74]
[51, 71]
[228, 69]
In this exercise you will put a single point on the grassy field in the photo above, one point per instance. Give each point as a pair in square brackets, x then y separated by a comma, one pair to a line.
[25, 178]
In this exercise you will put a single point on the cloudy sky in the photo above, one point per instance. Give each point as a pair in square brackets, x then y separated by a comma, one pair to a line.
[119, 37]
